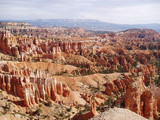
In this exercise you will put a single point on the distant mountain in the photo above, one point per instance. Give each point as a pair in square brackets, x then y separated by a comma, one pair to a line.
[88, 24]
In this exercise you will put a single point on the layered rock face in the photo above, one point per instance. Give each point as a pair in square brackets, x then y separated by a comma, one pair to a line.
[32, 86]
[17, 25]
[4, 42]
[24, 48]
[137, 34]
[137, 96]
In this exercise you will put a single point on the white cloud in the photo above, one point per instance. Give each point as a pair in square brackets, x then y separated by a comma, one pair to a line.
[116, 11]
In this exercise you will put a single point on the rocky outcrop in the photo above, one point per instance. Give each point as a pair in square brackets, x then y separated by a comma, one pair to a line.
[4, 45]
[88, 115]
[137, 34]
[23, 48]
[32, 86]
[137, 96]
[146, 70]
[118, 114]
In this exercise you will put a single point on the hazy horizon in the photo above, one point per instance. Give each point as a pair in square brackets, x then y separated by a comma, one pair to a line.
[21, 20]
[111, 11]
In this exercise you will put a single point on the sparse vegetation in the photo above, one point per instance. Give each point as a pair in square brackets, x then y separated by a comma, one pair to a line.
[157, 81]
[62, 72]
[120, 69]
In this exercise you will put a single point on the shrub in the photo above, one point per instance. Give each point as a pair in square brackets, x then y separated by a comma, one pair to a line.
[38, 111]
[69, 109]
[120, 69]
[157, 81]
[49, 103]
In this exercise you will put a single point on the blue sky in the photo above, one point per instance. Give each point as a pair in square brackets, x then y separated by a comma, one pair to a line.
[114, 11]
